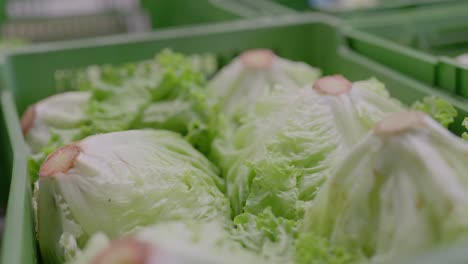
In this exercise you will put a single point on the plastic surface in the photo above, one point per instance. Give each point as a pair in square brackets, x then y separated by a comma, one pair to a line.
[164, 13]
[184, 12]
[6, 160]
[375, 6]
[2, 11]
[421, 43]
[299, 5]
[313, 38]
[18, 241]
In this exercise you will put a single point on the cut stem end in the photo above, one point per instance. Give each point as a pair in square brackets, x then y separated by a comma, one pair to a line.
[59, 161]
[333, 85]
[258, 58]
[126, 250]
[399, 122]
[27, 120]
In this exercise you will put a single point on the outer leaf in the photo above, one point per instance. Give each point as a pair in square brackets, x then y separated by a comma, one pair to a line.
[401, 190]
[178, 242]
[253, 75]
[61, 115]
[116, 182]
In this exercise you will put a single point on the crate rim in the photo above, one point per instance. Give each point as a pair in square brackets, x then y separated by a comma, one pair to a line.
[175, 32]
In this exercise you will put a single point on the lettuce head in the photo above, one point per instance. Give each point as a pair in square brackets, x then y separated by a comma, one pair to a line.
[60, 115]
[402, 189]
[164, 93]
[117, 182]
[253, 75]
[288, 145]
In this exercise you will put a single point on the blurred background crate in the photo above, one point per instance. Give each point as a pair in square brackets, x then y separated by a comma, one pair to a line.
[50, 20]
[53, 20]
[427, 43]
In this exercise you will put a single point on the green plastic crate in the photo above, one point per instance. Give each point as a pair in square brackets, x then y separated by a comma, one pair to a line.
[313, 38]
[6, 161]
[420, 43]
[6, 151]
[185, 12]
[164, 13]
[379, 7]
[2, 11]
[300, 5]
[19, 198]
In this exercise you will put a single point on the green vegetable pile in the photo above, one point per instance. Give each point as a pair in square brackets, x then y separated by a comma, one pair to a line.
[263, 162]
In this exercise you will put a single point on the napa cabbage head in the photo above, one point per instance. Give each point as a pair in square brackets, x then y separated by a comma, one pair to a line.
[117, 182]
[401, 190]
[288, 145]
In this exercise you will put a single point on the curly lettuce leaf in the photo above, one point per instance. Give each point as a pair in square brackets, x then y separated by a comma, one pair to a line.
[164, 93]
[439, 109]
[465, 124]
[121, 94]
[312, 248]
[270, 236]
[288, 146]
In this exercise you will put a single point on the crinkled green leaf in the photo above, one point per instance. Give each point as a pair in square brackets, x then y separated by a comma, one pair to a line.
[312, 248]
[280, 193]
[268, 235]
[289, 144]
[439, 109]
[465, 124]
[164, 93]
